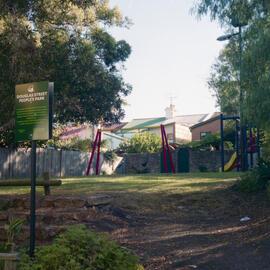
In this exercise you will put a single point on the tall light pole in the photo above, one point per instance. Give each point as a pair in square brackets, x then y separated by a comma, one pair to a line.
[243, 150]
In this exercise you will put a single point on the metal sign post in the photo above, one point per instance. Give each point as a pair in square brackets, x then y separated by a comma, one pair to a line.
[33, 104]
[33, 200]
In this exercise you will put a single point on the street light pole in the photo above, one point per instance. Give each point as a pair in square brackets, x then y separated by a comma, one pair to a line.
[243, 149]
[241, 99]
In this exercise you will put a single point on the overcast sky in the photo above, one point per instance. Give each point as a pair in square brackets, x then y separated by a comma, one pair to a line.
[172, 53]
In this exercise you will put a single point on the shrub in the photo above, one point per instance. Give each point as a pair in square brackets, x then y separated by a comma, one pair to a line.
[110, 156]
[211, 141]
[257, 179]
[79, 249]
[144, 142]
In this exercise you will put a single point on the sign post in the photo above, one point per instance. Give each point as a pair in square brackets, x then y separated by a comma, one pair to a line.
[33, 106]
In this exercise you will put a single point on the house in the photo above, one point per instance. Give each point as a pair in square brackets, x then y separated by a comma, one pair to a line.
[86, 131]
[177, 127]
[209, 125]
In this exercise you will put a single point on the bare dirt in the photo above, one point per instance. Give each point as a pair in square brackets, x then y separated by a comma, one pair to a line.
[203, 232]
[199, 230]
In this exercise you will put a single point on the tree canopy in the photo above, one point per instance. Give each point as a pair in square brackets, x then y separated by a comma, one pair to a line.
[67, 42]
[224, 79]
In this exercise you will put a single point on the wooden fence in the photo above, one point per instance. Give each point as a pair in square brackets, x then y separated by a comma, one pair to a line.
[59, 163]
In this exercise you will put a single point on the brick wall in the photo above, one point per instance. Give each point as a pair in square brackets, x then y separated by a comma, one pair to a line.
[212, 127]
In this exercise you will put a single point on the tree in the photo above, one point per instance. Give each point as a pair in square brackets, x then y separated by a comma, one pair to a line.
[144, 142]
[256, 57]
[66, 42]
[224, 80]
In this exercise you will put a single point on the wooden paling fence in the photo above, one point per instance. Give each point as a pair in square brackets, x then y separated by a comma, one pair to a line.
[59, 163]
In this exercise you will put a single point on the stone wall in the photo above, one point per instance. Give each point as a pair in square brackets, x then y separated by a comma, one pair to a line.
[206, 160]
[150, 163]
[139, 163]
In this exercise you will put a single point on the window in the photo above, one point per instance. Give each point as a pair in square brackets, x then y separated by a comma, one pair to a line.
[204, 134]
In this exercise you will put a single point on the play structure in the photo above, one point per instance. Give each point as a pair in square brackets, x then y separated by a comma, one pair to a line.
[167, 159]
[246, 151]
[96, 145]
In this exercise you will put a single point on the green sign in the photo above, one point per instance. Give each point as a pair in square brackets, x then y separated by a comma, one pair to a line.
[33, 111]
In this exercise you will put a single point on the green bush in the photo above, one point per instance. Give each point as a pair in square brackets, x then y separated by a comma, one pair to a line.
[257, 179]
[79, 249]
[144, 142]
[211, 141]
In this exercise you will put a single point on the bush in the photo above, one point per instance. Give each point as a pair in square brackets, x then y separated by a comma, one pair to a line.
[141, 143]
[79, 249]
[210, 142]
[257, 179]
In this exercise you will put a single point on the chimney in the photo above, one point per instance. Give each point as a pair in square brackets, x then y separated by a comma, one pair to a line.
[170, 111]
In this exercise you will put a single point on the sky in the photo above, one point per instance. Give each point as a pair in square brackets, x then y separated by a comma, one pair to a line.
[172, 54]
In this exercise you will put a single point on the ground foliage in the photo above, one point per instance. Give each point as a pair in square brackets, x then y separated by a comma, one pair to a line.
[66, 42]
[256, 179]
[80, 249]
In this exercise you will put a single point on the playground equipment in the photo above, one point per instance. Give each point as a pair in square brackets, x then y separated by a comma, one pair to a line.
[97, 144]
[166, 152]
[243, 159]
[231, 164]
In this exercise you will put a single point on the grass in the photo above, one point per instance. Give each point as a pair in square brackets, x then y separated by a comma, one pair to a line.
[145, 184]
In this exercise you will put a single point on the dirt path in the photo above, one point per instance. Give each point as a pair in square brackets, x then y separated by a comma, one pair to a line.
[167, 229]
[202, 231]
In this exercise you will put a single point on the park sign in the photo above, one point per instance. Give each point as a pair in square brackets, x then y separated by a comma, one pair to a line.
[33, 106]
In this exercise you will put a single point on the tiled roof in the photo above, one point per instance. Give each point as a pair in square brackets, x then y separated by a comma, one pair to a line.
[113, 127]
[184, 120]
[208, 119]
[143, 123]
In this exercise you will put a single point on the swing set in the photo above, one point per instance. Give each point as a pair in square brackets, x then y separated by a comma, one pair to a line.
[166, 151]
[167, 154]
[96, 145]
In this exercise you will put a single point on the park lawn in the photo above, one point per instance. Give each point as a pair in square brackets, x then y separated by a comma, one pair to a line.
[144, 183]
[143, 192]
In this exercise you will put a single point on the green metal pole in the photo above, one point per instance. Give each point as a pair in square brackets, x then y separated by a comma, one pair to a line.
[33, 200]
[222, 142]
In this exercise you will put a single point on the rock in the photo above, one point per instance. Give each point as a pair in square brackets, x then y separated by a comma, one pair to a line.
[98, 200]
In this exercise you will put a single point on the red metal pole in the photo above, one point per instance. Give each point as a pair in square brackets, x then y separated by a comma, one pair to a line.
[169, 151]
[164, 150]
[92, 155]
[98, 153]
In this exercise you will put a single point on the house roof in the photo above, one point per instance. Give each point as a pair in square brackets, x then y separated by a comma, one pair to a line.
[113, 127]
[184, 120]
[143, 123]
[211, 117]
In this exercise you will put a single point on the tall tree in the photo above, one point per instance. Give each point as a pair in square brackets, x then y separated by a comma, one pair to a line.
[65, 41]
[256, 57]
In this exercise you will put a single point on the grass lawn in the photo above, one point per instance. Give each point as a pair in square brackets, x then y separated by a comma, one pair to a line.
[174, 221]
[145, 183]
